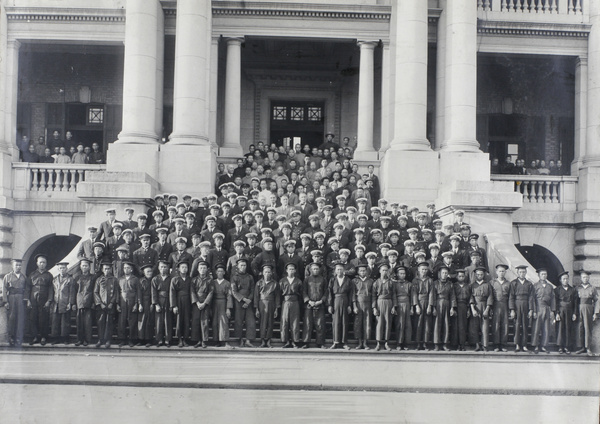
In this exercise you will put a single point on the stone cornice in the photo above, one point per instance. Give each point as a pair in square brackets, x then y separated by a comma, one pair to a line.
[65, 14]
[529, 29]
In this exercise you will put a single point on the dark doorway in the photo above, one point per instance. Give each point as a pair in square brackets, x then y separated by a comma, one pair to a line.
[295, 122]
[55, 247]
[540, 257]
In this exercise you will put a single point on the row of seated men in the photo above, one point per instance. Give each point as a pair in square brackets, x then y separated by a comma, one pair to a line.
[420, 311]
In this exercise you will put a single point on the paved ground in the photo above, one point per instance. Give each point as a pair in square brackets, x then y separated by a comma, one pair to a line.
[89, 385]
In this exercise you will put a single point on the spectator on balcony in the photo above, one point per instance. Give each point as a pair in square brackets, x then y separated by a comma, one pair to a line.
[70, 141]
[519, 168]
[558, 169]
[23, 146]
[47, 157]
[96, 157]
[495, 167]
[507, 167]
[30, 155]
[542, 170]
[40, 147]
[533, 170]
[79, 156]
[62, 156]
[56, 141]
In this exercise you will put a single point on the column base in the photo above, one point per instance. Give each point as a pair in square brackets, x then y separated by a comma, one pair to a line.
[410, 177]
[366, 156]
[136, 138]
[230, 151]
[103, 189]
[588, 193]
[125, 157]
[463, 166]
[187, 169]
[410, 145]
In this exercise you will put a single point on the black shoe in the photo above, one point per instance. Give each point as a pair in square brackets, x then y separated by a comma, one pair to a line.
[99, 344]
[43, 342]
[287, 345]
[148, 344]
[203, 345]
[78, 343]
[85, 343]
[543, 349]
[180, 343]
[294, 345]
[436, 348]
[305, 346]
[34, 341]
[107, 345]
[387, 347]
[446, 348]
[197, 345]
[334, 346]
[263, 343]
[378, 347]
[536, 350]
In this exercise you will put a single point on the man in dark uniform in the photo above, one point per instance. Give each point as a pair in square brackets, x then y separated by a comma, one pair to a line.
[106, 227]
[544, 311]
[315, 298]
[520, 303]
[443, 299]
[340, 305]
[422, 285]
[384, 301]
[161, 286]
[41, 298]
[201, 296]
[290, 287]
[362, 300]
[242, 290]
[16, 290]
[587, 307]
[565, 314]
[163, 248]
[145, 255]
[145, 311]
[482, 300]
[62, 301]
[106, 297]
[180, 301]
[267, 300]
[128, 306]
[501, 288]
[84, 301]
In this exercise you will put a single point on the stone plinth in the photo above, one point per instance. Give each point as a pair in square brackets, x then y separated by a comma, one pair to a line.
[127, 157]
[409, 176]
[103, 190]
[187, 168]
[465, 166]
[588, 191]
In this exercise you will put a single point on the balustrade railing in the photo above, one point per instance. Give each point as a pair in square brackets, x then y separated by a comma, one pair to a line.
[49, 180]
[524, 9]
[547, 190]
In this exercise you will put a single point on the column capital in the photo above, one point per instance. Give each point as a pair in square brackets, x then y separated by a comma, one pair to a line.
[235, 40]
[14, 44]
[367, 44]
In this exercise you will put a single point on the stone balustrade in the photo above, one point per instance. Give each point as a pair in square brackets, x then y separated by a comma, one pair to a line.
[572, 11]
[41, 180]
[544, 192]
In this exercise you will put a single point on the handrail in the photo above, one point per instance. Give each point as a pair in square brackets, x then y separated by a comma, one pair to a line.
[543, 188]
[49, 179]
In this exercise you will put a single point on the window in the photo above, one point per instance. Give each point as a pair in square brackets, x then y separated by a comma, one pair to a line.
[279, 113]
[297, 113]
[315, 113]
[95, 115]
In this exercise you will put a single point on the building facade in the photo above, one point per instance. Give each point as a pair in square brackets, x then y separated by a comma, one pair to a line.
[428, 91]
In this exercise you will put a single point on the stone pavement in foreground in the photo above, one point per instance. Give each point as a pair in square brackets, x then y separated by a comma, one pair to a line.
[295, 386]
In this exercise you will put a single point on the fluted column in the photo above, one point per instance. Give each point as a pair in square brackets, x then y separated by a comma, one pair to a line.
[581, 85]
[160, 73]
[213, 90]
[366, 99]
[592, 154]
[233, 98]
[386, 86]
[190, 97]
[440, 85]
[410, 89]
[460, 115]
[3, 79]
[11, 87]
[140, 76]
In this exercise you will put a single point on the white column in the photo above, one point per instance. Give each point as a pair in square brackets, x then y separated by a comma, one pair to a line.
[190, 97]
[366, 102]
[460, 133]
[160, 71]
[385, 97]
[3, 53]
[440, 85]
[581, 85]
[233, 99]
[11, 90]
[139, 79]
[213, 90]
[592, 153]
[410, 91]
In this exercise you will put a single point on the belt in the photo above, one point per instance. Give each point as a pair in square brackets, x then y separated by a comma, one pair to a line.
[290, 298]
[423, 297]
[341, 295]
[16, 291]
[268, 297]
[364, 298]
[384, 297]
[586, 301]
[402, 299]
[522, 298]
[563, 303]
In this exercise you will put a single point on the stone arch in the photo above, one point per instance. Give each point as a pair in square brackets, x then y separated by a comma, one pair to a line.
[32, 228]
[55, 246]
[540, 257]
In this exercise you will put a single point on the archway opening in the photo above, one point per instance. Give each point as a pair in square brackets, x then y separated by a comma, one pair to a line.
[55, 247]
[540, 257]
